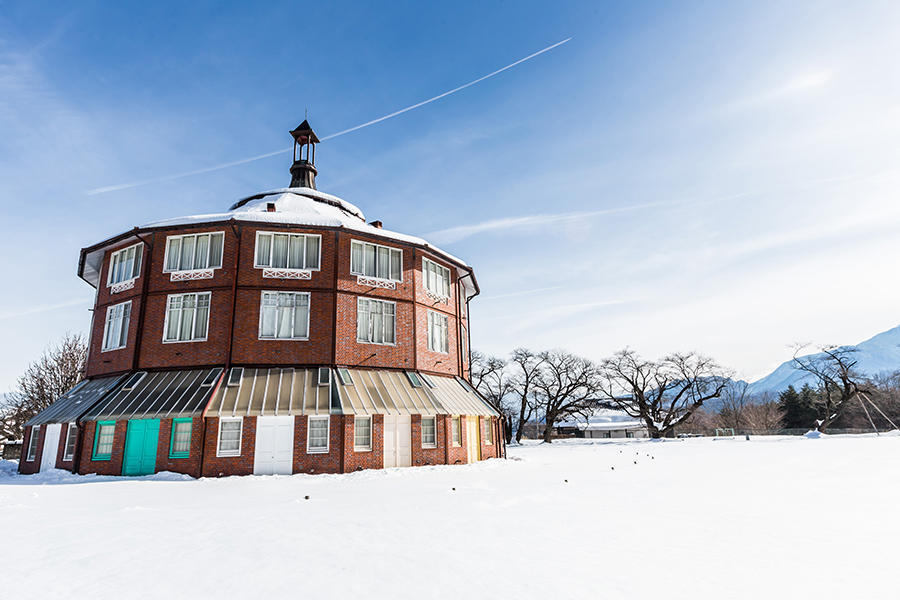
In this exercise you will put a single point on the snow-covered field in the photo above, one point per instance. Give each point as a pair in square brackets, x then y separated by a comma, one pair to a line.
[768, 518]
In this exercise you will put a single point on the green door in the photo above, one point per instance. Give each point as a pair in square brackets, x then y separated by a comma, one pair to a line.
[141, 440]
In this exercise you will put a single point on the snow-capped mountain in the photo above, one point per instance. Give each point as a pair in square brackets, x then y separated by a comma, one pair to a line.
[876, 355]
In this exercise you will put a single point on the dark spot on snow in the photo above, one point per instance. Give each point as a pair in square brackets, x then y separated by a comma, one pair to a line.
[306, 497]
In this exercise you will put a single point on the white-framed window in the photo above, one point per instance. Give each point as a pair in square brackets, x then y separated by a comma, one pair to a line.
[133, 380]
[71, 441]
[362, 434]
[187, 317]
[194, 251]
[429, 432]
[414, 379]
[284, 316]
[211, 378]
[106, 434]
[229, 437]
[317, 435]
[324, 376]
[427, 380]
[125, 264]
[33, 443]
[456, 426]
[181, 438]
[375, 260]
[234, 376]
[115, 331]
[437, 332]
[437, 278]
[287, 251]
[375, 321]
[344, 376]
[487, 432]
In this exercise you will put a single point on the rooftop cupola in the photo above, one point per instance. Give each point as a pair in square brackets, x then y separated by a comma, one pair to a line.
[303, 171]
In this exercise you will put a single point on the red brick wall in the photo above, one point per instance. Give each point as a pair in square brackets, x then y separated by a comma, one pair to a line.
[250, 350]
[351, 353]
[489, 450]
[456, 454]
[428, 456]
[68, 465]
[436, 362]
[229, 465]
[330, 462]
[189, 465]
[27, 467]
[357, 461]
[113, 466]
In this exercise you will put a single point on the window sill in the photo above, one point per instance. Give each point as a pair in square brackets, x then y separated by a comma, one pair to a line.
[112, 349]
[174, 456]
[115, 288]
[100, 458]
[355, 449]
[358, 341]
[279, 273]
[228, 455]
[424, 447]
[183, 341]
[272, 339]
[317, 451]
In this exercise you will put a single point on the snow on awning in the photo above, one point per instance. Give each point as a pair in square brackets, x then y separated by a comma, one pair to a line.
[76, 401]
[158, 394]
[273, 392]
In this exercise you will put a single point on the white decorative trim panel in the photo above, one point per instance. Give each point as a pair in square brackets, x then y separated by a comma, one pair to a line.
[376, 282]
[287, 273]
[191, 275]
[121, 286]
[437, 298]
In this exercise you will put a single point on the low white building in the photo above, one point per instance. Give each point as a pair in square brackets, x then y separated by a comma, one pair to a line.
[604, 423]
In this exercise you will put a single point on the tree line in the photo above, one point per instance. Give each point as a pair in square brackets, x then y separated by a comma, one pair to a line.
[555, 385]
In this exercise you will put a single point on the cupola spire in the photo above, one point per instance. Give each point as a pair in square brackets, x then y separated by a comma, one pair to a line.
[303, 171]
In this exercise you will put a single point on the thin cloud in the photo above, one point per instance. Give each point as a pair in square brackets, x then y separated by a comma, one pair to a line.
[461, 232]
[522, 293]
[42, 308]
[234, 163]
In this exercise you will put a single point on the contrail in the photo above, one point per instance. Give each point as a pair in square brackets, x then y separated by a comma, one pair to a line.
[134, 184]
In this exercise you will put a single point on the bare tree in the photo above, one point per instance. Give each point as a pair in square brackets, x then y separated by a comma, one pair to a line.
[735, 399]
[566, 385]
[834, 369]
[663, 393]
[492, 379]
[763, 414]
[57, 371]
[525, 368]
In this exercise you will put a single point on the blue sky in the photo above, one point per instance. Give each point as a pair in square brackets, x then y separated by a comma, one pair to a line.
[719, 177]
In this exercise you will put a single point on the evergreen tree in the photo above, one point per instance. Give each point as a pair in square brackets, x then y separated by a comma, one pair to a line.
[809, 407]
[797, 409]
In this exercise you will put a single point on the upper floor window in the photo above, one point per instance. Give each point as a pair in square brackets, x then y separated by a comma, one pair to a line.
[115, 332]
[194, 251]
[125, 264]
[437, 332]
[287, 251]
[373, 260]
[375, 321]
[187, 317]
[284, 316]
[437, 278]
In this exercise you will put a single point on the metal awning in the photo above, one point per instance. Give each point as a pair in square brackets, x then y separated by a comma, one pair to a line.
[76, 401]
[385, 392]
[159, 394]
[273, 392]
[459, 398]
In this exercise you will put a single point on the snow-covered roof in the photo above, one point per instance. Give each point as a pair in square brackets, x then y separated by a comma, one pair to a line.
[293, 206]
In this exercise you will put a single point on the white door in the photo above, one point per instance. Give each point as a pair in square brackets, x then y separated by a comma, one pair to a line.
[274, 452]
[397, 441]
[51, 446]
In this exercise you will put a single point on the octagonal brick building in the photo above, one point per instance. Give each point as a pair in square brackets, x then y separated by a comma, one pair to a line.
[284, 335]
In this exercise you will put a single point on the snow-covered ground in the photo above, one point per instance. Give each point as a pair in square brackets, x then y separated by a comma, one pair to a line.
[768, 518]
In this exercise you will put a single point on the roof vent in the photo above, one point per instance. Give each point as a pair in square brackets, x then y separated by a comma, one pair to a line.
[377, 224]
[270, 207]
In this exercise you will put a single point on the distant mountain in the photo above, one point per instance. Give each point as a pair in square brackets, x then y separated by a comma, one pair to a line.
[876, 355]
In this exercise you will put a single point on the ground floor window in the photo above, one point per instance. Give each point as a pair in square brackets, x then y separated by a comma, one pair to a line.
[457, 428]
[180, 444]
[487, 432]
[103, 440]
[429, 432]
[229, 437]
[33, 443]
[317, 436]
[71, 441]
[362, 433]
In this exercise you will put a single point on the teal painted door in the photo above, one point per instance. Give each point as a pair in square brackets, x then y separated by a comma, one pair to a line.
[141, 441]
